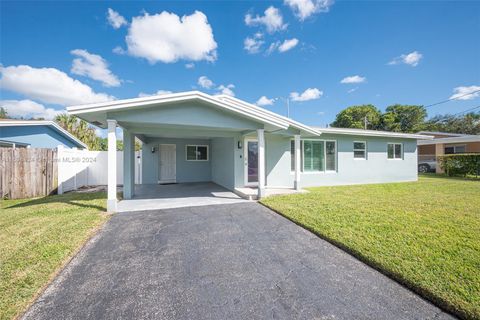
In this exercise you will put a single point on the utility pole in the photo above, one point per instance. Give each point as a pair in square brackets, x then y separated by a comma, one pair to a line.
[365, 122]
[288, 108]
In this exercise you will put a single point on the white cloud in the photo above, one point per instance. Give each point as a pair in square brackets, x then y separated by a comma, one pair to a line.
[190, 65]
[288, 44]
[412, 59]
[93, 66]
[168, 38]
[309, 94]
[253, 44]
[28, 109]
[227, 90]
[48, 85]
[353, 79]
[466, 93]
[272, 20]
[119, 50]
[158, 93]
[272, 47]
[305, 8]
[115, 19]
[352, 90]
[264, 101]
[205, 83]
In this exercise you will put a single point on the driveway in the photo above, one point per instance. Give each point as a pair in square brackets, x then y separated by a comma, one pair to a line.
[229, 261]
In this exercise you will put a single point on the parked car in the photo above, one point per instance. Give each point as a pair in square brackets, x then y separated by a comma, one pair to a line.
[427, 166]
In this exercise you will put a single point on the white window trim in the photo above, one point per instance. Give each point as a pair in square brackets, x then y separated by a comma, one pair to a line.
[336, 157]
[366, 152]
[401, 151]
[324, 171]
[196, 146]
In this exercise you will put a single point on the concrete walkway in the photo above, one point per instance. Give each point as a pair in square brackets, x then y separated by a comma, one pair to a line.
[231, 261]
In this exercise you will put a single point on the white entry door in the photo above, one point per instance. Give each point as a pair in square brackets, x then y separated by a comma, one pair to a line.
[167, 165]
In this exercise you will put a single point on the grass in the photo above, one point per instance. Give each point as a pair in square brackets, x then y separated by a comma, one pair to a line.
[37, 237]
[424, 234]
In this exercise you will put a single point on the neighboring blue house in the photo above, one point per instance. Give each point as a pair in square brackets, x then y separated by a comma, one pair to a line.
[193, 137]
[36, 134]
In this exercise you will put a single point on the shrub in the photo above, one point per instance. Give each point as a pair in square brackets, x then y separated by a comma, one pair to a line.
[460, 164]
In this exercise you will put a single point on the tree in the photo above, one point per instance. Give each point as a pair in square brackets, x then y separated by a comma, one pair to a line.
[404, 118]
[3, 113]
[467, 124]
[80, 129]
[354, 117]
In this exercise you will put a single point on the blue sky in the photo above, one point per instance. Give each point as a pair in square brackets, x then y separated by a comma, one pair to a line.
[412, 52]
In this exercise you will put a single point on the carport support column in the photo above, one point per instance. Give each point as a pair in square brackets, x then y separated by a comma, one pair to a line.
[128, 164]
[261, 163]
[297, 162]
[112, 166]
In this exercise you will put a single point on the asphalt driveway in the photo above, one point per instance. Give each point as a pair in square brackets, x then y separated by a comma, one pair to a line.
[232, 261]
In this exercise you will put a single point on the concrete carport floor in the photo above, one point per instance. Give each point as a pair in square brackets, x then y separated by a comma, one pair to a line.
[226, 261]
[155, 196]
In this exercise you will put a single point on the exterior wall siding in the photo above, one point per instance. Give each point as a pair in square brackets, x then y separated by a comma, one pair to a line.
[375, 169]
[37, 136]
[222, 162]
[186, 171]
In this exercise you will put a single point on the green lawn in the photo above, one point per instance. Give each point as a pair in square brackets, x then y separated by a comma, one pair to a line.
[425, 234]
[37, 237]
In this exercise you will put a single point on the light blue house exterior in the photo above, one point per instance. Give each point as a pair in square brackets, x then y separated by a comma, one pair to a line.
[36, 134]
[194, 137]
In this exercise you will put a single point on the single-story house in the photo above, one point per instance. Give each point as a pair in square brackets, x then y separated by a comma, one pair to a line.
[193, 136]
[444, 143]
[36, 134]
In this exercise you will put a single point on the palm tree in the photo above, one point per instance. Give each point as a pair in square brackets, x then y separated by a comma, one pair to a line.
[80, 129]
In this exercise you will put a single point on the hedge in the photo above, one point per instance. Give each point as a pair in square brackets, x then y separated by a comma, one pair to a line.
[461, 164]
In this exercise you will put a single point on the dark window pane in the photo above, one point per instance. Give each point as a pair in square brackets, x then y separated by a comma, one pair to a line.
[252, 161]
[460, 149]
[359, 145]
[359, 154]
[449, 150]
[398, 151]
[390, 151]
[202, 153]
[330, 150]
[191, 153]
[307, 155]
[318, 160]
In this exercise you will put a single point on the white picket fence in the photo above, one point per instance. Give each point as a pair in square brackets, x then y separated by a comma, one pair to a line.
[80, 168]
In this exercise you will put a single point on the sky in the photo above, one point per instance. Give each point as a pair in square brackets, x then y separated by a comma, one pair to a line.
[321, 55]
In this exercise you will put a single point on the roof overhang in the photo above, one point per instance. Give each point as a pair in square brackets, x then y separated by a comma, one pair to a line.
[53, 124]
[99, 110]
[373, 133]
[291, 123]
[462, 139]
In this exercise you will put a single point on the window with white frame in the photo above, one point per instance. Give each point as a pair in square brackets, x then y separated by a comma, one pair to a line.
[395, 151]
[317, 155]
[455, 149]
[197, 153]
[360, 150]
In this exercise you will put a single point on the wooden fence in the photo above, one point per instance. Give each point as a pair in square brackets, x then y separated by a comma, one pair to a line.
[27, 172]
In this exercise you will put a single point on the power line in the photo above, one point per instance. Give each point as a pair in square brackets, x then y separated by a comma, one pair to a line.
[456, 114]
[466, 110]
[458, 97]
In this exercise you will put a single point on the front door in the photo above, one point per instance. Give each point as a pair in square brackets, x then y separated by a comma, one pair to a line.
[167, 163]
[251, 162]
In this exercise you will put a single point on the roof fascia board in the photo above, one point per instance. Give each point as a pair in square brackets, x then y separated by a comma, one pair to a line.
[268, 113]
[162, 99]
[375, 134]
[43, 123]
